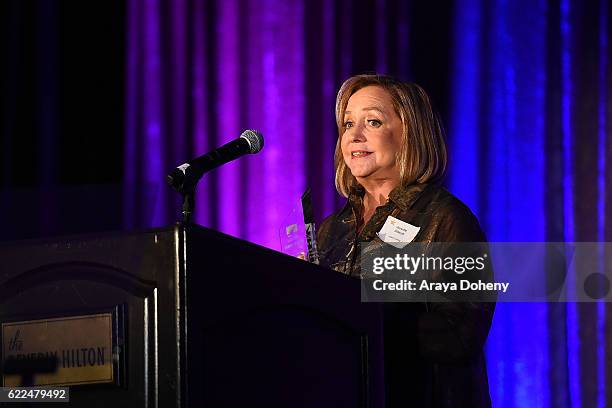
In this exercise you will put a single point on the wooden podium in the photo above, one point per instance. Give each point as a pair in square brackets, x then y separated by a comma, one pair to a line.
[187, 317]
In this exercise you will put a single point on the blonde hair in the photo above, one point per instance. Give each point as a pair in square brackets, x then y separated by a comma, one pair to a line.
[422, 157]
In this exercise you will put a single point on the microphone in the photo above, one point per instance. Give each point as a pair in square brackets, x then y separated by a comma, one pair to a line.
[185, 177]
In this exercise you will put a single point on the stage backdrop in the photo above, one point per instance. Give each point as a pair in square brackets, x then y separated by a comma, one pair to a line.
[200, 72]
[524, 87]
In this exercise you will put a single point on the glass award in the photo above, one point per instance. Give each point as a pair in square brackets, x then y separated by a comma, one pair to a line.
[297, 233]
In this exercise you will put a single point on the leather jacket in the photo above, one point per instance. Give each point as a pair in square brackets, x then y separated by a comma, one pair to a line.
[433, 351]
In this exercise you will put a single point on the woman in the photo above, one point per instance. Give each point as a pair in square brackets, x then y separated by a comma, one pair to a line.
[389, 159]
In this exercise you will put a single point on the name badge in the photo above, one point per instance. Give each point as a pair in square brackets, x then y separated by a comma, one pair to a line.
[397, 233]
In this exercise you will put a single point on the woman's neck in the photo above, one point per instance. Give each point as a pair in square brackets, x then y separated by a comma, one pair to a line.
[376, 194]
[377, 191]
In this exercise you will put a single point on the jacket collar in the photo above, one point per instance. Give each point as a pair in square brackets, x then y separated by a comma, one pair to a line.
[402, 196]
[405, 196]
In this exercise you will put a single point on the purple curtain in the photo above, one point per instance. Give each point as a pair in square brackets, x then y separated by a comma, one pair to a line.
[198, 74]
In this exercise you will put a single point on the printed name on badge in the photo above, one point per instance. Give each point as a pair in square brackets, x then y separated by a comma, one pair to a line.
[397, 232]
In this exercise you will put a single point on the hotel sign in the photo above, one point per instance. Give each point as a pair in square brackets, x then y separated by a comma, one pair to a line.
[81, 345]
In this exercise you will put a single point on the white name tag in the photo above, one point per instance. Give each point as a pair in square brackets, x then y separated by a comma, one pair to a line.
[397, 232]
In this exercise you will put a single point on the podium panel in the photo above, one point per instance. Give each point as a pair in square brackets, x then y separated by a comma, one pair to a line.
[186, 317]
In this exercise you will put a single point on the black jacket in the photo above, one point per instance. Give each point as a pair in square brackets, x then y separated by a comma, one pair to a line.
[433, 351]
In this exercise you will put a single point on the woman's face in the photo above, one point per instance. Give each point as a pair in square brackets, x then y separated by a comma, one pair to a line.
[372, 135]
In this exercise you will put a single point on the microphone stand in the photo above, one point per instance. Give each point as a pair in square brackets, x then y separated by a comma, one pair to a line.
[188, 206]
[187, 192]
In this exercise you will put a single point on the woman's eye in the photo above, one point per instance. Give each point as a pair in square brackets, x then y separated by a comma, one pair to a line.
[375, 122]
[348, 124]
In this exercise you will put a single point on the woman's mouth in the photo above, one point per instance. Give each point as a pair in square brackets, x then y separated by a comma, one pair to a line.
[360, 153]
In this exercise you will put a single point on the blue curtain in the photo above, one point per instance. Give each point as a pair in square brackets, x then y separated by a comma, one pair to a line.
[531, 142]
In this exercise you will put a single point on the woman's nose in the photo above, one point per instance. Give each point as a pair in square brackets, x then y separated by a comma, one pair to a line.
[357, 135]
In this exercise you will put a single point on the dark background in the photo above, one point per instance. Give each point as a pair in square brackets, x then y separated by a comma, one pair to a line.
[61, 134]
[62, 116]
[537, 134]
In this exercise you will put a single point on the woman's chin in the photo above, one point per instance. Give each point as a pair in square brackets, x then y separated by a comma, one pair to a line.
[361, 174]
[362, 169]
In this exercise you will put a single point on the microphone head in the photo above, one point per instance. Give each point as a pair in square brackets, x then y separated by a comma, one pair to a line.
[255, 140]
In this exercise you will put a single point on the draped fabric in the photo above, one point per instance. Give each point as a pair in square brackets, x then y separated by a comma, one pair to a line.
[199, 72]
[524, 91]
[523, 86]
[530, 142]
